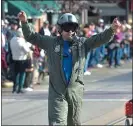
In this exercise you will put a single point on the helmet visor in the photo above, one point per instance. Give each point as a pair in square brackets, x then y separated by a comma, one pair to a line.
[69, 27]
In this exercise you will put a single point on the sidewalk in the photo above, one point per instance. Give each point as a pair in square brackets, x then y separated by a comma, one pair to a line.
[42, 87]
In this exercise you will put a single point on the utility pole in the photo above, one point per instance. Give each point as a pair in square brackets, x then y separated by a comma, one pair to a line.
[127, 10]
[3, 10]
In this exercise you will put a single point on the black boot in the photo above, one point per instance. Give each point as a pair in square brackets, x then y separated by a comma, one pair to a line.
[20, 90]
[14, 88]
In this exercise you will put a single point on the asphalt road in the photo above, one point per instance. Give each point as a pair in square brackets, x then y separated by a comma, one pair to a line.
[106, 92]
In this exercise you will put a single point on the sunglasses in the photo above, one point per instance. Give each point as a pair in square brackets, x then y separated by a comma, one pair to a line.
[69, 27]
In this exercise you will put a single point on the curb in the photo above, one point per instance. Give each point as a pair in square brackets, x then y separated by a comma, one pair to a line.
[7, 84]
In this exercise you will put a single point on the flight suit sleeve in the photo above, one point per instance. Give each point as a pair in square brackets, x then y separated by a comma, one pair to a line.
[99, 39]
[42, 41]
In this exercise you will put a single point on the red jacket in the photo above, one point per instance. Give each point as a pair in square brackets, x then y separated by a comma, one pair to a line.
[3, 59]
[36, 52]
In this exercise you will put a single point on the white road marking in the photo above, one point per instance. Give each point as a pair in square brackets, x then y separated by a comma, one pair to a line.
[12, 100]
[85, 100]
[39, 90]
[104, 100]
[95, 80]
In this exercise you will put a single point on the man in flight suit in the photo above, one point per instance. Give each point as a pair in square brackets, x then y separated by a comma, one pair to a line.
[66, 58]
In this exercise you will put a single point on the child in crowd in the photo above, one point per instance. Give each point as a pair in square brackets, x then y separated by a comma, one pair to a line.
[41, 69]
[29, 73]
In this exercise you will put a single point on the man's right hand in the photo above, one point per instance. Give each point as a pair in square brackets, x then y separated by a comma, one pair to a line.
[22, 16]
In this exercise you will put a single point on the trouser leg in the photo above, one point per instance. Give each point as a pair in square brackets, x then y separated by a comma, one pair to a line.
[87, 61]
[4, 72]
[65, 110]
[97, 55]
[75, 96]
[28, 79]
[92, 61]
[21, 80]
[57, 111]
[111, 56]
[35, 76]
[15, 78]
[39, 77]
[117, 56]
[11, 73]
[43, 75]
[128, 50]
[16, 82]
[102, 50]
[35, 72]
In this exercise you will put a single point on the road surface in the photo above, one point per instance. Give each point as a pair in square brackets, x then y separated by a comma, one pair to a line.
[106, 92]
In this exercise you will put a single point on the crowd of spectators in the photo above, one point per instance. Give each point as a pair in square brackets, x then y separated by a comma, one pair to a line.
[113, 53]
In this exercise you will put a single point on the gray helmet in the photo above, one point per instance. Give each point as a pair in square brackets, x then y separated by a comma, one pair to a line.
[67, 18]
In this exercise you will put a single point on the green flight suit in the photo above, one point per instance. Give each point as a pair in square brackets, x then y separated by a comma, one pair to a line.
[64, 101]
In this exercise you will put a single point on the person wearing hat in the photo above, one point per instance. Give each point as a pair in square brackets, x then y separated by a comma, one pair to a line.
[66, 58]
[12, 29]
[45, 29]
[100, 51]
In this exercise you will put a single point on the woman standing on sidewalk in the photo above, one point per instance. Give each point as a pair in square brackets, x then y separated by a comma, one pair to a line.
[20, 50]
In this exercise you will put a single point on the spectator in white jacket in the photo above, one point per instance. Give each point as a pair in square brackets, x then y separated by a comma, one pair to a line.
[19, 49]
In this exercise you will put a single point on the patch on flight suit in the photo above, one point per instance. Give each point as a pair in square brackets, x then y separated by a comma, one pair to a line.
[57, 48]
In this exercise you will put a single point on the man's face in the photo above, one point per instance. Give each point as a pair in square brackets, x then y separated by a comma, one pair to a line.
[92, 27]
[101, 24]
[118, 30]
[67, 35]
[68, 30]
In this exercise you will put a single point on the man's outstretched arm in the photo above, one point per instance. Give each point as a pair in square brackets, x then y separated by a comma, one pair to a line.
[31, 36]
[104, 37]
